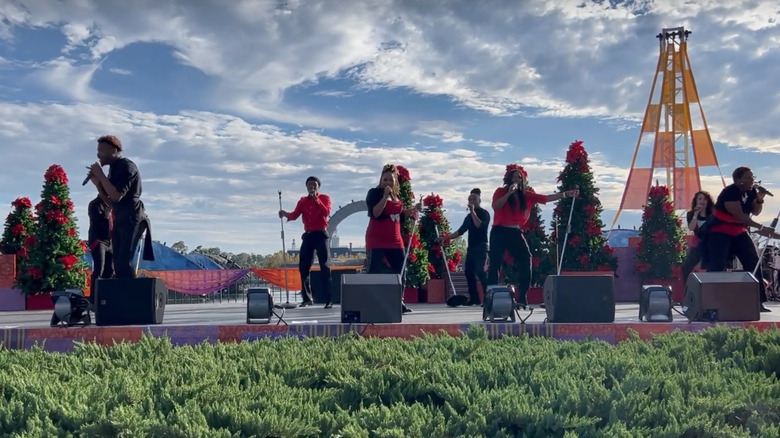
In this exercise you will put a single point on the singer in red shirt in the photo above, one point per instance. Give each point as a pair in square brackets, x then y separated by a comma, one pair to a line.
[728, 232]
[512, 205]
[314, 209]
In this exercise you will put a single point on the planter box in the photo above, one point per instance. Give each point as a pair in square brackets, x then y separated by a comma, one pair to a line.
[7, 271]
[435, 291]
[535, 295]
[39, 302]
[411, 295]
[12, 300]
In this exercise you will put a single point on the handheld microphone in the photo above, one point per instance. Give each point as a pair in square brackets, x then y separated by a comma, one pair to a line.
[758, 187]
[86, 180]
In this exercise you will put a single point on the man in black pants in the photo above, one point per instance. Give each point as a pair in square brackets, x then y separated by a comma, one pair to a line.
[123, 187]
[728, 234]
[476, 224]
[99, 239]
[315, 209]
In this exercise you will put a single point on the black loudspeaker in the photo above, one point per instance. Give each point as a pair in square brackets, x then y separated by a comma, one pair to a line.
[580, 298]
[499, 304]
[335, 285]
[371, 298]
[722, 296]
[259, 305]
[130, 301]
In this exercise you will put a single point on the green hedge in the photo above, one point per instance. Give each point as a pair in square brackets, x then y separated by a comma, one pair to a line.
[720, 383]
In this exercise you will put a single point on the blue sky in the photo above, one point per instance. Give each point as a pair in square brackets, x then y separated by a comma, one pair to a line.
[221, 104]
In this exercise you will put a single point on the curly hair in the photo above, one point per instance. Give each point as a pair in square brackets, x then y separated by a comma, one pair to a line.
[390, 168]
[112, 140]
[520, 193]
[710, 202]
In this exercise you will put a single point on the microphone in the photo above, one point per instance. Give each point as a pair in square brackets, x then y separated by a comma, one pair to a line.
[758, 187]
[86, 180]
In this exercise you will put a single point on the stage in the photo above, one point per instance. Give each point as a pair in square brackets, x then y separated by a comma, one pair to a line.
[192, 324]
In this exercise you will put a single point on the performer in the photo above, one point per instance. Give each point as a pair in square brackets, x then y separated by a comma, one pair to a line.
[476, 224]
[315, 209]
[99, 238]
[702, 206]
[512, 205]
[384, 244]
[123, 187]
[728, 233]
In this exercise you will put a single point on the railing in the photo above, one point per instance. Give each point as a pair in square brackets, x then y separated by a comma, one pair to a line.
[235, 293]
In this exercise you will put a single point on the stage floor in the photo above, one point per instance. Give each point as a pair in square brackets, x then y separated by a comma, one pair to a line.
[190, 324]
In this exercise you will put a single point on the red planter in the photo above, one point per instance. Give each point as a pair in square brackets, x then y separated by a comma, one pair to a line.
[411, 295]
[39, 302]
[677, 285]
[535, 295]
[435, 291]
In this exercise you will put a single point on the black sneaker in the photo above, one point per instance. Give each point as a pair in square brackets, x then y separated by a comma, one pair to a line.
[329, 305]
[764, 309]
[405, 309]
[305, 304]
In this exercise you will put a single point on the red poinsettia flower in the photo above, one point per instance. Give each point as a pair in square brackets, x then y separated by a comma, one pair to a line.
[431, 269]
[55, 173]
[584, 260]
[23, 253]
[85, 248]
[576, 153]
[575, 241]
[451, 266]
[403, 175]
[535, 261]
[71, 232]
[660, 237]
[648, 212]
[659, 192]
[456, 257]
[22, 202]
[412, 257]
[436, 249]
[667, 207]
[590, 210]
[30, 241]
[18, 229]
[592, 229]
[608, 250]
[435, 216]
[55, 200]
[69, 203]
[433, 201]
[68, 261]
[35, 272]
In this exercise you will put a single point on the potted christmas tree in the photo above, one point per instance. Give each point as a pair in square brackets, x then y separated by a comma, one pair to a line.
[55, 250]
[661, 249]
[432, 220]
[418, 268]
[586, 248]
[14, 253]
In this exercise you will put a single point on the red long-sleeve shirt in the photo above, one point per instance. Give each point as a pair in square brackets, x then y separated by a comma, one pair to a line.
[506, 216]
[315, 212]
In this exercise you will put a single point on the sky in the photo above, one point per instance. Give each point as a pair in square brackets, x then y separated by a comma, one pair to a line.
[223, 104]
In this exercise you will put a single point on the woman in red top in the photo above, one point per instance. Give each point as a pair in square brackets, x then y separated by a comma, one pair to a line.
[384, 245]
[512, 204]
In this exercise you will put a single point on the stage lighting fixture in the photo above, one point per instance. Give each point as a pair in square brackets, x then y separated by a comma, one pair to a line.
[71, 307]
[259, 305]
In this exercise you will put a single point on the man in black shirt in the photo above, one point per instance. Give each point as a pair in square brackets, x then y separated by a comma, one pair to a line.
[476, 224]
[99, 239]
[123, 187]
[728, 234]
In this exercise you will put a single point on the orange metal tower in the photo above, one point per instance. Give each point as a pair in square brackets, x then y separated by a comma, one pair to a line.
[674, 124]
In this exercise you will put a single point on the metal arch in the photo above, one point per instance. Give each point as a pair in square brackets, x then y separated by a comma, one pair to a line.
[345, 212]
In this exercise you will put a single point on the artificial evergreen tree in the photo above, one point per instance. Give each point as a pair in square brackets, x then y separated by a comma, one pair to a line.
[56, 252]
[19, 224]
[661, 247]
[433, 217]
[418, 269]
[586, 249]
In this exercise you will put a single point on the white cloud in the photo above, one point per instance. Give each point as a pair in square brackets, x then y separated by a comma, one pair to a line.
[120, 71]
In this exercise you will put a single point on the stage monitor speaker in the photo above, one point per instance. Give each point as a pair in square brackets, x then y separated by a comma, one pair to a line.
[259, 305]
[499, 304]
[655, 303]
[722, 296]
[130, 301]
[580, 298]
[371, 298]
[71, 308]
